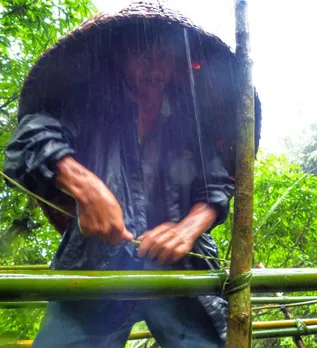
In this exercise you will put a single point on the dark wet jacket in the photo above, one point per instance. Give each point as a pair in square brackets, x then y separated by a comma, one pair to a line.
[84, 113]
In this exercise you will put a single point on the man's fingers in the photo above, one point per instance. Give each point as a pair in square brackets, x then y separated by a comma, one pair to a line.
[157, 246]
[166, 254]
[113, 238]
[144, 246]
[127, 235]
[157, 230]
[178, 254]
[150, 237]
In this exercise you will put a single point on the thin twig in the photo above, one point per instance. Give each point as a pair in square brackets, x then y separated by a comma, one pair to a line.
[297, 304]
[9, 101]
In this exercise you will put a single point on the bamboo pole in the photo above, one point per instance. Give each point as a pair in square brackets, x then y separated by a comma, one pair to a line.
[254, 300]
[239, 319]
[23, 304]
[79, 285]
[285, 332]
[28, 343]
[25, 267]
[281, 299]
[257, 325]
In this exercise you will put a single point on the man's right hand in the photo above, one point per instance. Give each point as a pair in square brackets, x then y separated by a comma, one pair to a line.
[100, 214]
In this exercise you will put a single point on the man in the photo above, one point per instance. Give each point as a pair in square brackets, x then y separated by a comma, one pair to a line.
[111, 116]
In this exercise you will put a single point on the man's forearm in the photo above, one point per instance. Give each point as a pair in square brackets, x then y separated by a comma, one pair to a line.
[99, 212]
[74, 179]
[200, 218]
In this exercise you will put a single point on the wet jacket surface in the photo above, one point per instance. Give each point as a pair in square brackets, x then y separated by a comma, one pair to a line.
[63, 111]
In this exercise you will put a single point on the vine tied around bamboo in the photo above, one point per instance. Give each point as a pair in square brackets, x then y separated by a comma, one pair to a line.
[61, 210]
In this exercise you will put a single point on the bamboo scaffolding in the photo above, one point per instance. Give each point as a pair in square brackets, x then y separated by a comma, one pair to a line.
[298, 341]
[269, 330]
[79, 285]
[239, 318]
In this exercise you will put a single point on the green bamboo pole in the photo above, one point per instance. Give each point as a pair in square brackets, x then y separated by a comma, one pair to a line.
[78, 285]
[23, 304]
[254, 300]
[24, 267]
[239, 318]
[281, 299]
[285, 332]
[274, 324]
[28, 343]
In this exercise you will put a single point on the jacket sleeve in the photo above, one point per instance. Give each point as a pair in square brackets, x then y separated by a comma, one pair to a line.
[212, 183]
[37, 144]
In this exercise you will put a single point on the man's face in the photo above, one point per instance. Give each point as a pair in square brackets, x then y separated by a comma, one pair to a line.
[150, 69]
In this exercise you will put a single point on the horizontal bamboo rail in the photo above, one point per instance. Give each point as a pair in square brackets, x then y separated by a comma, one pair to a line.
[24, 267]
[284, 332]
[78, 285]
[281, 299]
[257, 325]
[23, 304]
[254, 300]
[28, 343]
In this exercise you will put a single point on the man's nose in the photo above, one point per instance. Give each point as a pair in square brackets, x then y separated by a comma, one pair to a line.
[154, 64]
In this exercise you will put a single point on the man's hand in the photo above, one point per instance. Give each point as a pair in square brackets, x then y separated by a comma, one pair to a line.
[100, 214]
[169, 242]
[165, 243]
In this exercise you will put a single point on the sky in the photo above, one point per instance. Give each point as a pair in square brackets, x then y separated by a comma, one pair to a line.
[283, 50]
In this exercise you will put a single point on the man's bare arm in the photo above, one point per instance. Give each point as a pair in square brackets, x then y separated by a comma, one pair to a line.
[100, 214]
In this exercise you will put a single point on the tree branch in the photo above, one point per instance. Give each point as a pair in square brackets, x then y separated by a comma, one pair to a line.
[14, 97]
[18, 8]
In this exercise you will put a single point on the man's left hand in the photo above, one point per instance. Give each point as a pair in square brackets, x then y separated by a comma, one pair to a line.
[165, 244]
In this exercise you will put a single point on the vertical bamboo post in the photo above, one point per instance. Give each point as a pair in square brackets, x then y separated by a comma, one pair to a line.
[239, 319]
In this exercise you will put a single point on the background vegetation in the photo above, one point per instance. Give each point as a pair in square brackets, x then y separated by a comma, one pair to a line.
[285, 186]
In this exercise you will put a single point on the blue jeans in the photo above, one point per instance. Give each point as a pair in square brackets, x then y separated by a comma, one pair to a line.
[177, 322]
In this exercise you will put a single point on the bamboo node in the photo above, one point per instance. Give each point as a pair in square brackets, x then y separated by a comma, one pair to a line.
[240, 318]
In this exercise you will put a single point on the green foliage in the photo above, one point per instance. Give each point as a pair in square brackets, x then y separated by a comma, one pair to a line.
[27, 28]
[285, 229]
